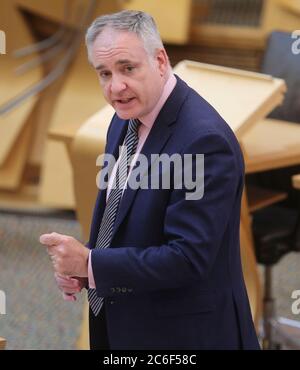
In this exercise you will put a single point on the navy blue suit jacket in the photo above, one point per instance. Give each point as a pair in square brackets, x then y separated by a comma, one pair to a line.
[172, 278]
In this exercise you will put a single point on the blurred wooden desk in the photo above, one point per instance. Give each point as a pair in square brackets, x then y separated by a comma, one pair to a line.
[291, 5]
[271, 144]
[2, 343]
[296, 181]
[64, 133]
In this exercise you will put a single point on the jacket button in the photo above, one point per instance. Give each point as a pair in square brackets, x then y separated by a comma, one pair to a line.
[111, 301]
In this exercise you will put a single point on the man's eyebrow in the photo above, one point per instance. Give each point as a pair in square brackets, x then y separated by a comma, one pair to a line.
[121, 61]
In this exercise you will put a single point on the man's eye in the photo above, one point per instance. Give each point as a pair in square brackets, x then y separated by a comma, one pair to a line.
[129, 68]
[104, 74]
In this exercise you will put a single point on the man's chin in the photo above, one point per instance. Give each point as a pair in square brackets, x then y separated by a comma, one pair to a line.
[125, 115]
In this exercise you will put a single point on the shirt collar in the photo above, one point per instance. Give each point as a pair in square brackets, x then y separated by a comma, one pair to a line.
[149, 119]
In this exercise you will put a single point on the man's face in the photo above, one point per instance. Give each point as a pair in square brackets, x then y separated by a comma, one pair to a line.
[132, 81]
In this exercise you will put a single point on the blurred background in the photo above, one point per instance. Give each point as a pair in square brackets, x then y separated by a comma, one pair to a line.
[243, 56]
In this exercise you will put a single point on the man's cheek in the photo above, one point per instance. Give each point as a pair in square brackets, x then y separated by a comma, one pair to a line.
[107, 96]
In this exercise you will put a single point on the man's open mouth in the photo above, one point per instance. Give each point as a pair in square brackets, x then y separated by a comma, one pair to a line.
[124, 101]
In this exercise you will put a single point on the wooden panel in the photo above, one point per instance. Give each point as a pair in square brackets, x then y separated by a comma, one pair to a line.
[249, 264]
[167, 15]
[79, 98]
[291, 5]
[42, 116]
[280, 16]
[26, 199]
[2, 343]
[89, 142]
[241, 97]
[296, 181]
[54, 9]
[56, 187]
[275, 15]
[232, 36]
[282, 150]
[17, 35]
[251, 276]
[259, 197]
[12, 170]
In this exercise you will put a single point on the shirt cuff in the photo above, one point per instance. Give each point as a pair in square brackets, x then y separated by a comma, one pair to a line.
[92, 284]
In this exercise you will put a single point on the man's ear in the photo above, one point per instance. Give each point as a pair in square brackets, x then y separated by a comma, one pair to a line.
[162, 60]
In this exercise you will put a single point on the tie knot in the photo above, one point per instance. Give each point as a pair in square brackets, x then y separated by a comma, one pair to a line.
[134, 125]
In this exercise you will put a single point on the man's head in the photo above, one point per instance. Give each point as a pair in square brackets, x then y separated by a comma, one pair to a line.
[132, 65]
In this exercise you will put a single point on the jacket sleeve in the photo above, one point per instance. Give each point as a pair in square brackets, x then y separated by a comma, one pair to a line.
[193, 229]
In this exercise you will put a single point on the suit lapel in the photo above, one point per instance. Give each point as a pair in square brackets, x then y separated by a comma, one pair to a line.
[118, 136]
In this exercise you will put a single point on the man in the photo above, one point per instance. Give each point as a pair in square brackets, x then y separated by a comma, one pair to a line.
[165, 265]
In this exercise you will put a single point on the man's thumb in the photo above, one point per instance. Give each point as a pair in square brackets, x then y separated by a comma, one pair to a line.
[51, 239]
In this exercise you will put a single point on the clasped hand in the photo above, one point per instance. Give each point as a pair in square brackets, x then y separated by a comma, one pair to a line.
[70, 262]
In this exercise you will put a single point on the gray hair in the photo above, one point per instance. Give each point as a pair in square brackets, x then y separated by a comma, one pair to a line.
[140, 23]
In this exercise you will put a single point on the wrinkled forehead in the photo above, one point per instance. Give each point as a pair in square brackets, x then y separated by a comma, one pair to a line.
[111, 44]
[111, 38]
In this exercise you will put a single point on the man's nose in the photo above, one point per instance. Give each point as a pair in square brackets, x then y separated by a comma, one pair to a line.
[117, 85]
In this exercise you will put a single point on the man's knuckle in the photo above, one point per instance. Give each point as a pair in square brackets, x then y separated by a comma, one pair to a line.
[70, 239]
[64, 239]
[62, 252]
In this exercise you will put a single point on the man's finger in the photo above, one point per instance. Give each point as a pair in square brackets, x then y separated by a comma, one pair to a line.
[69, 297]
[67, 283]
[51, 239]
[51, 251]
[57, 275]
[69, 290]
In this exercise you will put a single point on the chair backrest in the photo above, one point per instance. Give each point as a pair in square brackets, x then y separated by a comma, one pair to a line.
[281, 60]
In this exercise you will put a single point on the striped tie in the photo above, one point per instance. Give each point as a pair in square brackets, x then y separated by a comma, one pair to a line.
[113, 201]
